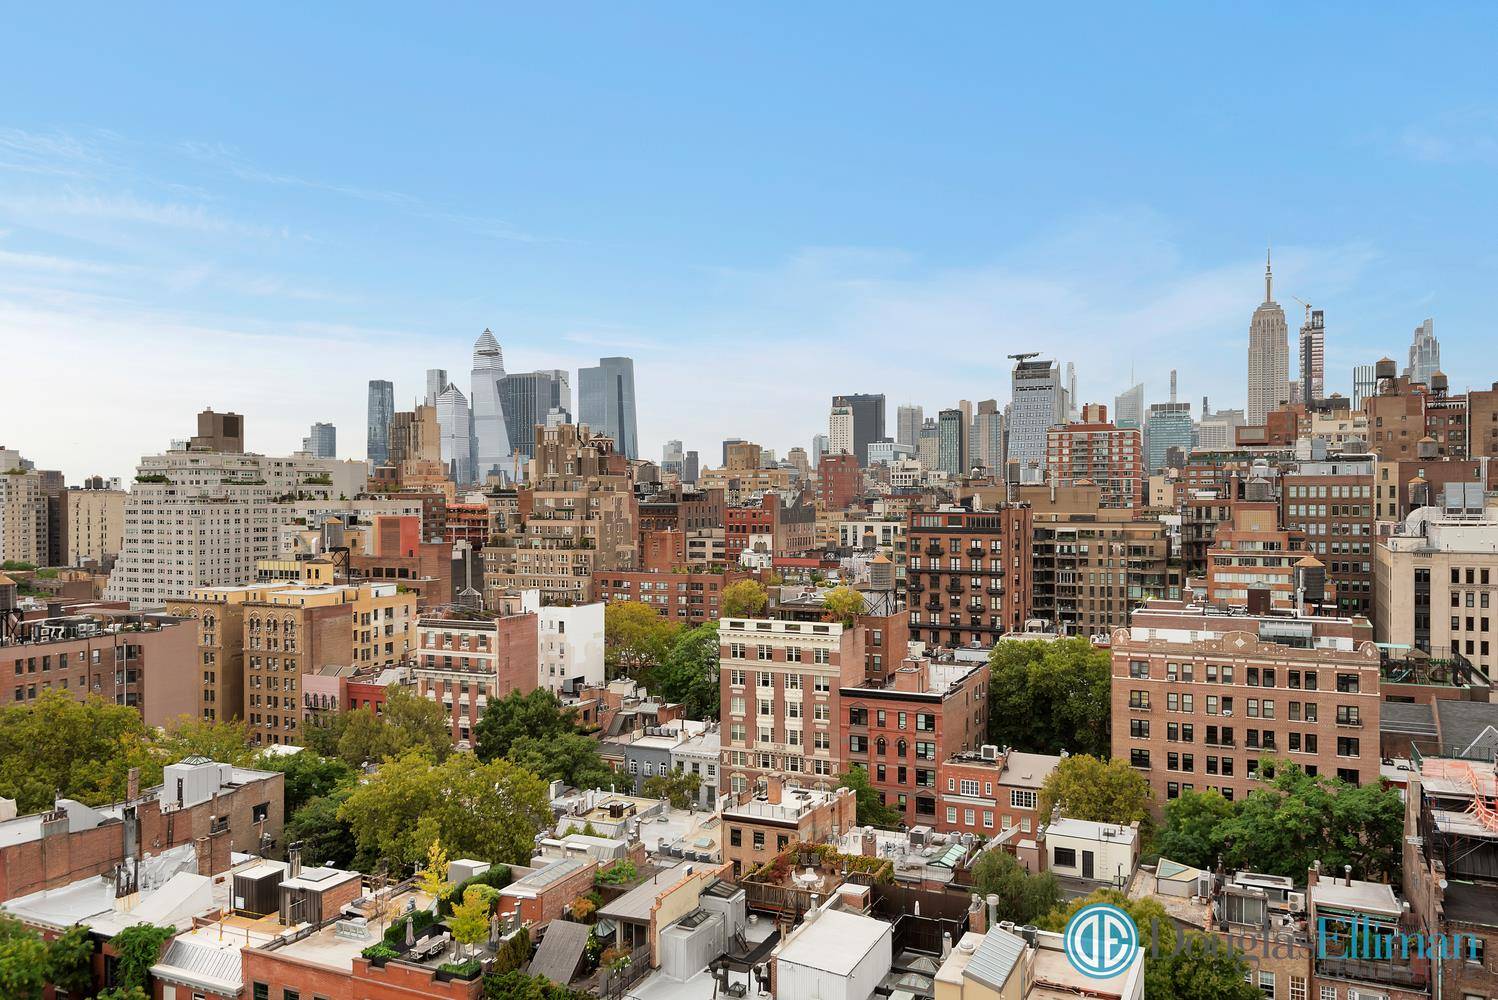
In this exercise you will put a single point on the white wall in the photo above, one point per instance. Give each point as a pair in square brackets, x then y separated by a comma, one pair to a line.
[571, 641]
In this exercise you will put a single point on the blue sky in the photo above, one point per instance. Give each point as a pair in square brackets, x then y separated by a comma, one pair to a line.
[263, 209]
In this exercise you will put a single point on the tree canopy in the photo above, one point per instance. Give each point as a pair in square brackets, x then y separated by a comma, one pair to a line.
[744, 599]
[690, 674]
[679, 788]
[1046, 697]
[871, 810]
[308, 775]
[1023, 897]
[1101, 791]
[842, 604]
[569, 757]
[635, 636]
[1288, 822]
[407, 720]
[491, 811]
[536, 713]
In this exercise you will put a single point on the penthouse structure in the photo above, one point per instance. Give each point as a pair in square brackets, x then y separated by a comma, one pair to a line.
[781, 684]
[1200, 693]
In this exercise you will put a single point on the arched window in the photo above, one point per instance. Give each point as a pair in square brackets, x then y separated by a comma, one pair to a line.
[882, 747]
[902, 747]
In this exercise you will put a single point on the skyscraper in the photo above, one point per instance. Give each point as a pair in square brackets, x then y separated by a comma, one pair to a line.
[966, 406]
[673, 457]
[526, 398]
[820, 445]
[436, 382]
[1072, 404]
[690, 468]
[840, 428]
[987, 445]
[1364, 384]
[381, 409]
[1038, 405]
[1425, 353]
[491, 435]
[606, 402]
[908, 424]
[455, 430]
[1268, 355]
[1313, 356]
[1168, 425]
[321, 441]
[868, 420]
[1128, 408]
[951, 429]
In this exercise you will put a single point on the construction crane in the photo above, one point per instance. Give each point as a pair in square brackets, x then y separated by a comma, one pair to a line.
[1303, 302]
[1025, 356]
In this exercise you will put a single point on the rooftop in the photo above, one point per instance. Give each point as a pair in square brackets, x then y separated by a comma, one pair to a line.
[835, 941]
[794, 803]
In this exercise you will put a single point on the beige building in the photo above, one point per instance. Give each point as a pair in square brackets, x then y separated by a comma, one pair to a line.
[23, 514]
[1436, 577]
[96, 525]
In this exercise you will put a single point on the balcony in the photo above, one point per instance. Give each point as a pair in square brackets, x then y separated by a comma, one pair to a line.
[975, 550]
[934, 604]
[915, 586]
[995, 588]
[934, 549]
[954, 586]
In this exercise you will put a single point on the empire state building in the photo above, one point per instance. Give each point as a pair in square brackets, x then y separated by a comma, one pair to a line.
[1268, 355]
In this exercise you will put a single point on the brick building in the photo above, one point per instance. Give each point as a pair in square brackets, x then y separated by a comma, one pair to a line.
[398, 554]
[692, 598]
[839, 481]
[1200, 694]
[463, 659]
[993, 791]
[791, 528]
[1094, 450]
[1330, 503]
[899, 730]
[781, 684]
[756, 829]
[968, 573]
[1253, 553]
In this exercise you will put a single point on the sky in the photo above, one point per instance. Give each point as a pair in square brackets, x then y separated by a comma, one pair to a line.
[261, 208]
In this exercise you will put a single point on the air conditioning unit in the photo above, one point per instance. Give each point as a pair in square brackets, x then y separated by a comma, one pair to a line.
[989, 752]
[1296, 901]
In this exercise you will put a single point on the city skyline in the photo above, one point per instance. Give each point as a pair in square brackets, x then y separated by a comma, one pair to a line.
[153, 242]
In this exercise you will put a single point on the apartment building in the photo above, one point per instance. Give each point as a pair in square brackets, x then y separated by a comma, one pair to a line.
[1092, 565]
[1252, 553]
[791, 528]
[1199, 694]
[968, 573]
[23, 514]
[462, 659]
[1331, 503]
[1436, 578]
[839, 481]
[757, 829]
[1093, 449]
[686, 597]
[781, 684]
[1404, 485]
[95, 525]
[994, 792]
[899, 730]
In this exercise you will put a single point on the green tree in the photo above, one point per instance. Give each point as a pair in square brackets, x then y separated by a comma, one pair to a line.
[517, 985]
[432, 876]
[744, 599]
[224, 742]
[322, 736]
[23, 961]
[635, 636]
[308, 775]
[679, 788]
[842, 604]
[489, 811]
[571, 758]
[136, 949]
[408, 720]
[1190, 834]
[870, 808]
[469, 921]
[1045, 697]
[1100, 791]
[1200, 970]
[59, 746]
[326, 839]
[537, 714]
[1023, 897]
[1147, 913]
[689, 674]
[70, 961]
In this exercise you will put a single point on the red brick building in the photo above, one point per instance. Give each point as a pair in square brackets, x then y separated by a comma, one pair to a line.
[899, 731]
[968, 574]
[1107, 456]
[541, 896]
[463, 661]
[838, 481]
[792, 529]
[692, 598]
[992, 791]
[400, 556]
[467, 522]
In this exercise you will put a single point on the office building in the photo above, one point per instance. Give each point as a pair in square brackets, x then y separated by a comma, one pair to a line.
[436, 383]
[1268, 355]
[673, 459]
[840, 430]
[951, 429]
[1199, 695]
[1128, 408]
[820, 445]
[381, 409]
[1425, 354]
[1312, 357]
[492, 444]
[606, 402]
[321, 441]
[1038, 404]
[526, 399]
[1364, 385]
[868, 421]
[968, 574]
[1167, 426]
[455, 432]
[1095, 450]
[691, 468]
[908, 421]
[1218, 431]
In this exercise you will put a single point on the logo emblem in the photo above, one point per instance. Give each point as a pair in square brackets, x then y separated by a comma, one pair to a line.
[1100, 940]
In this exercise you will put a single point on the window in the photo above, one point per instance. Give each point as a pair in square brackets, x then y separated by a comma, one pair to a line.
[1064, 857]
[759, 840]
[970, 786]
[1266, 983]
[287, 993]
[1022, 798]
[260, 991]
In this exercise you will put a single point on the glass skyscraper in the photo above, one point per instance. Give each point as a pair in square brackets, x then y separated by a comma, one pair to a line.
[381, 410]
[606, 402]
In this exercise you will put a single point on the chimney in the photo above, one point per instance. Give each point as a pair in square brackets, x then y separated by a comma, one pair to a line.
[772, 789]
[870, 843]
[1347, 872]
[294, 860]
[977, 921]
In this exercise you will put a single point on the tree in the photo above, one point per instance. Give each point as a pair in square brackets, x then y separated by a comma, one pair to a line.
[223, 742]
[537, 714]
[1023, 897]
[517, 985]
[689, 674]
[1190, 831]
[326, 839]
[571, 758]
[432, 876]
[870, 807]
[322, 736]
[136, 949]
[1045, 697]
[489, 811]
[308, 775]
[679, 788]
[842, 604]
[23, 961]
[1199, 970]
[635, 636]
[61, 747]
[744, 599]
[70, 960]
[469, 921]
[1148, 914]
[1100, 791]
[408, 720]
